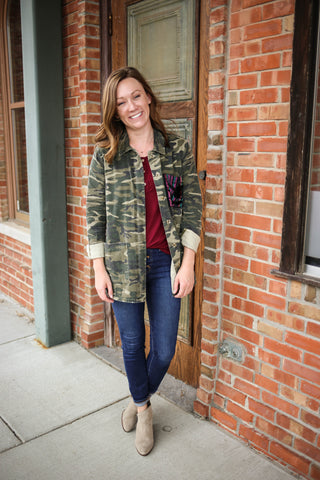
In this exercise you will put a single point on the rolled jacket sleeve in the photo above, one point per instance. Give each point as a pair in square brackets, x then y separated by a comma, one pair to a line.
[190, 240]
[192, 203]
[96, 209]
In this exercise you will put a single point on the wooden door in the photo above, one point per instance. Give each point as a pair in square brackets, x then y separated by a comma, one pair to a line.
[161, 39]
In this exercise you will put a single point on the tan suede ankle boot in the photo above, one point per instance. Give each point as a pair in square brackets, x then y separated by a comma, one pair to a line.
[129, 417]
[144, 432]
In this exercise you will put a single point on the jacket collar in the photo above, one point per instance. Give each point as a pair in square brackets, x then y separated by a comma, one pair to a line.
[159, 143]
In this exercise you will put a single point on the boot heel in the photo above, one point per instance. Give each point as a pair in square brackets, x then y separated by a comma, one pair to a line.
[144, 432]
[129, 417]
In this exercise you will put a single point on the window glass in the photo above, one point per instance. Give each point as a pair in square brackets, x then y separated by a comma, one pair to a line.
[15, 51]
[17, 113]
[312, 244]
[20, 156]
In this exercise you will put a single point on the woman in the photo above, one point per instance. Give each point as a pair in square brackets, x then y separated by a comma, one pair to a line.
[144, 220]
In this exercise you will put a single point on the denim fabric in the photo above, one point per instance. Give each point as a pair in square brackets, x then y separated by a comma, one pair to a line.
[145, 374]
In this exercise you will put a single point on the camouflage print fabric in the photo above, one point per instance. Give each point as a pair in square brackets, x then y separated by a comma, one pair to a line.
[116, 210]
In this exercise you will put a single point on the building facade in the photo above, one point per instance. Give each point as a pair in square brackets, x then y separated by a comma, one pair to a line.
[253, 119]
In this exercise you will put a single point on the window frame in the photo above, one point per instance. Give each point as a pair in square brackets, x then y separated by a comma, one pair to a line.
[306, 25]
[8, 108]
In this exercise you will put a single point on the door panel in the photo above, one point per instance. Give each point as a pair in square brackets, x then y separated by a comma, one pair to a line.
[160, 38]
[161, 44]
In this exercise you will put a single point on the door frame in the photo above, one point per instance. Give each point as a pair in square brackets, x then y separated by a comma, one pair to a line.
[201, 147]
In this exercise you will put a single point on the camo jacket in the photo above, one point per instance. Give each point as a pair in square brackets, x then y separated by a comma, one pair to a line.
[116, 210]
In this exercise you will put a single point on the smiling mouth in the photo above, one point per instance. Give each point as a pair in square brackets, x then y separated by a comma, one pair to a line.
[137, 115]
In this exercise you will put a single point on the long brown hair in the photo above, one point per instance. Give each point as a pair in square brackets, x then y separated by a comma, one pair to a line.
[111, 129]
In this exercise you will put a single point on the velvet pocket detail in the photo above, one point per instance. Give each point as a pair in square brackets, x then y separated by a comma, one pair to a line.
[174, 190]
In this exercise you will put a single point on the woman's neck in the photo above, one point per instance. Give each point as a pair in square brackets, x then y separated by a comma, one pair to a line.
[142, 142]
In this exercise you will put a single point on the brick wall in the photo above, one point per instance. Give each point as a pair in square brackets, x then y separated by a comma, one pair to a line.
[271, 400]
[82, 116]
[16, 271]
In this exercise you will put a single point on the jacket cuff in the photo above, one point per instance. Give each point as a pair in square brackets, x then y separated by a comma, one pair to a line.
[96, 250]
[190, 240]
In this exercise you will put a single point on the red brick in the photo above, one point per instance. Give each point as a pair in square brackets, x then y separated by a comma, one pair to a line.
[263, 29]
[270, 176]
[201, 409]
[239, 82]
[267, 384]
[247, 388]
[280, 404]
[260, 192]
[252, 221]
[265, 298]
[267, 240]
[312, 361]
[275, 77]
[310, 419]
[276, 44]
[248, 307]
[261, 409]
[295, 427]
[260, 63]
[218, 15]
[239, 412]
[290, 457]
[301, 371]
[223, 418]
[315, 472]
[274, 112]
[229, 392]
[257, 129]
[261, 95]
[286, 320]
[274, 431]
[278, 9]
[243, 113]
[240, 145]
[310, 390]
[285, 350]
[235, 289]
[272, 144]
[254, 437]
[236, 369]
[303, 342]
[270, 358]
[307, 449]
[245, 17]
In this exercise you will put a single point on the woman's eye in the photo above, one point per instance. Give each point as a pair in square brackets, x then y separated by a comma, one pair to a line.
[137, 96]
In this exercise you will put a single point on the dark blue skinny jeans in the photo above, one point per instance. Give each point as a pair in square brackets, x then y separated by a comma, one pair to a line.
[145, 374]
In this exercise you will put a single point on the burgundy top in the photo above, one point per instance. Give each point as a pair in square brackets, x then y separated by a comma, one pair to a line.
[155, 234]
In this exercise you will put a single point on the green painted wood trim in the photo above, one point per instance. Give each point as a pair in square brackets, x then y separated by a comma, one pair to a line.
[43, 84]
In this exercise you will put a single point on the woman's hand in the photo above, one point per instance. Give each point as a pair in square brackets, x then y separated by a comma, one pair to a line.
[184, 281]
[102, 281]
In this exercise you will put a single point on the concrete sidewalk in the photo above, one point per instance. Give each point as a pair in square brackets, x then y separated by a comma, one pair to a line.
[60, 419]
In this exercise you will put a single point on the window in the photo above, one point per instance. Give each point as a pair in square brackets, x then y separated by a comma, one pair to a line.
[312, 243]
[300, 251]
[12, 79]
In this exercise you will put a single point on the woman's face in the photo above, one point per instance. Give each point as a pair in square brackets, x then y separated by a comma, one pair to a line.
[133, 104]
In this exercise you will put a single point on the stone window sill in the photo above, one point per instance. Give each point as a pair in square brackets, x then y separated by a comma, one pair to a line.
[16, 231]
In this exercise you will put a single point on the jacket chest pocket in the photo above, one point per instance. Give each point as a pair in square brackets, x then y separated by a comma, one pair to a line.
[174, 190]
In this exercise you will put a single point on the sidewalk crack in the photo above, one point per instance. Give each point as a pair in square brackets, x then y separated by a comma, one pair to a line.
[12, 430]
